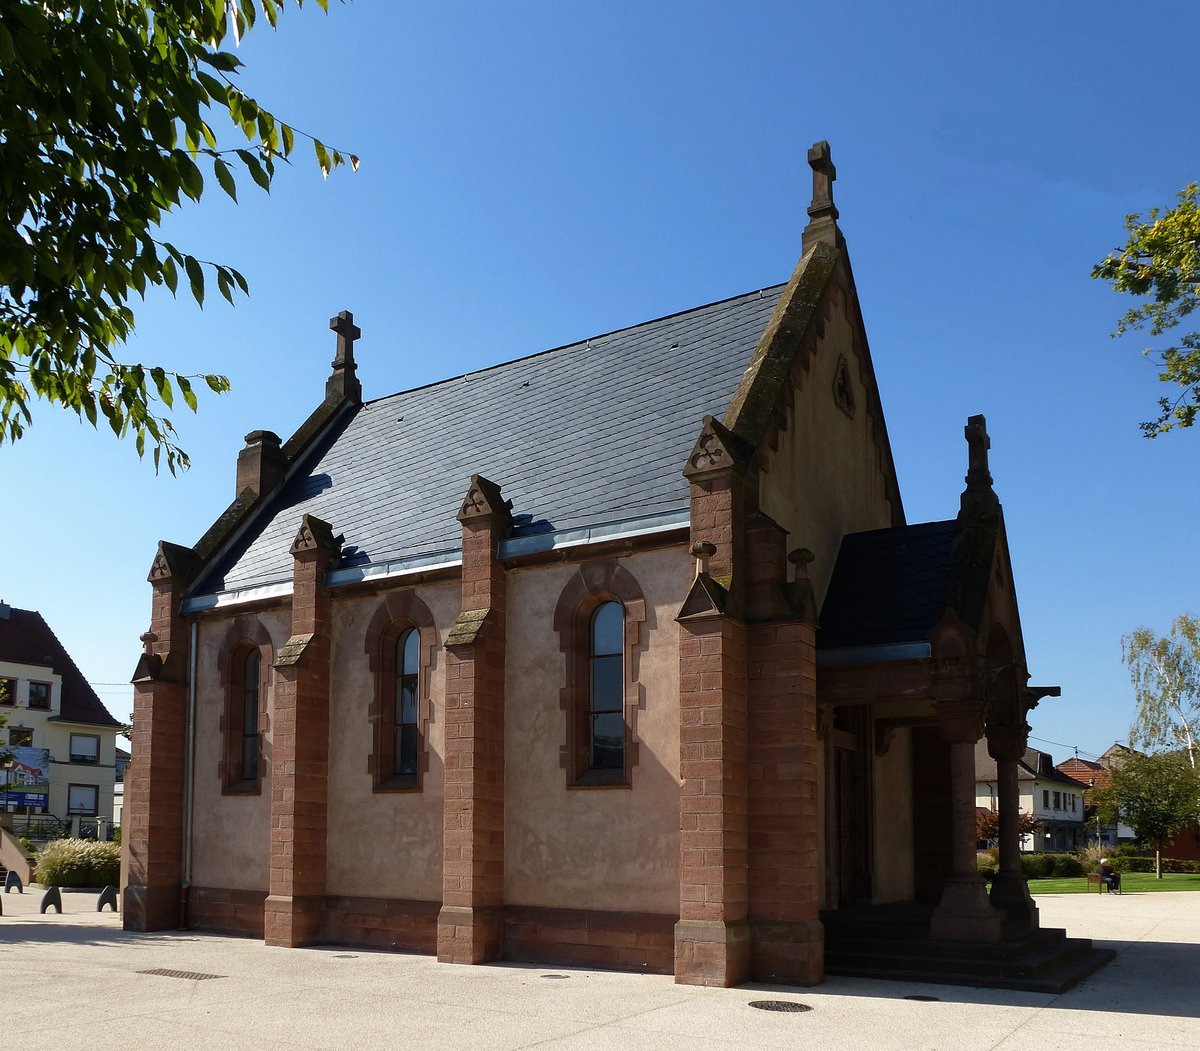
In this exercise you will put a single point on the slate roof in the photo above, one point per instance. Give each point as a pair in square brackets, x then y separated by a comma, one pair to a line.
[888, 586]
[1035, 766]
[589, 433]
[26, 638]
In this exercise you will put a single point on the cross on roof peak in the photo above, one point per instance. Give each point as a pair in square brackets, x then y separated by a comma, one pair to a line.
[347, 332]
[344, 382]
[822, 212]
[979, 490]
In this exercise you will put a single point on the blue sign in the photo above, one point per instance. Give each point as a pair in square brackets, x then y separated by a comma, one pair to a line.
[25, 780]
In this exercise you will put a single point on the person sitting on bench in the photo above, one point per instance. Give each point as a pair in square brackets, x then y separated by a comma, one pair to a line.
[1109, 876]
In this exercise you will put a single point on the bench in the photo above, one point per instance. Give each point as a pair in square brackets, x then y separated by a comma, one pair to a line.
[1095, 879]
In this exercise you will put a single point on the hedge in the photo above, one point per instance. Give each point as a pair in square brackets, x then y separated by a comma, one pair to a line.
[1127, 864]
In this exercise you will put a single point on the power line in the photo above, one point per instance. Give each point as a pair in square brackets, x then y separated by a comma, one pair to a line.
[1074, 747]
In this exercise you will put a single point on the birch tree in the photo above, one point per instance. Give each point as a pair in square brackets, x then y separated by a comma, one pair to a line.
[1165, 672]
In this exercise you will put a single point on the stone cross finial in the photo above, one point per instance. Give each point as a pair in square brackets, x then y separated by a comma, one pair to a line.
[822, 213]
[824, 173]
[978, 444]
[347, 332]
[343, 382]
[979, 492]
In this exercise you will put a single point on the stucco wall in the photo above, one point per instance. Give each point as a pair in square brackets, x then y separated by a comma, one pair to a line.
[230, 833]
[383, 844]
[894, 820]
[827, 477]
[595, 848]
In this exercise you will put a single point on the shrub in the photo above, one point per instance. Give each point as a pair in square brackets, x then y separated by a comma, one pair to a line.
[1037, 866]
[78, 863]
[1066, 865]
[985, 864]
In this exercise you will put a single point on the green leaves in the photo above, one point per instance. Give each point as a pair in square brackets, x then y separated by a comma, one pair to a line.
[106, 122]
[1161, 261]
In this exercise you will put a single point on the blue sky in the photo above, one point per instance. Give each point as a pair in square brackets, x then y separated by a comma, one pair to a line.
[535, 173]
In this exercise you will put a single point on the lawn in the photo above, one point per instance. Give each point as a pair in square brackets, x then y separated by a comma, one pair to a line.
[1131, 883]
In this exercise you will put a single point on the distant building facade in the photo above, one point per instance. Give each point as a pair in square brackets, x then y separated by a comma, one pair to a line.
[1055, 799]
[61, 737]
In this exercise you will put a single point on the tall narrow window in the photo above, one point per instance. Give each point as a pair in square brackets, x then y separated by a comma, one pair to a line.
[607, 709]
[406, 746]
[245, 660]
[250, 690]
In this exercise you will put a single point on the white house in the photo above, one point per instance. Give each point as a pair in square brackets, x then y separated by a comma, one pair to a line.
[61, 737]
[1052, 797]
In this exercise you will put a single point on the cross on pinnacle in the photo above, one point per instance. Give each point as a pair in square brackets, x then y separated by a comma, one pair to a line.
[824, 173]
[347, 332]
[822, 213]
[343, 383]
[979, 492]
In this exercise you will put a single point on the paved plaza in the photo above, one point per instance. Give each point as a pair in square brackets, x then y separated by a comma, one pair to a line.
[78, 981]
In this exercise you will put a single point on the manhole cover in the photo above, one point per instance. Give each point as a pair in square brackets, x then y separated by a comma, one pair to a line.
[193, 976]
[780, 1005]
[556, 976]
[345, 956]
[925, 999]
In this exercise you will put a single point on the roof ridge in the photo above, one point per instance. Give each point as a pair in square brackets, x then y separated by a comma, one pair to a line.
[576, 343]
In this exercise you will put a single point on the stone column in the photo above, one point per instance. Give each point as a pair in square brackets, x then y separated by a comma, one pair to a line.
[154, 782]
[1010, 889]
[300, 749]
[787, 938]
[964, 912]
[712, 937]
[471, 921]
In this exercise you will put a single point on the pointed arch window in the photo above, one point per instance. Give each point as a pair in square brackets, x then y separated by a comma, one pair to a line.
[606, 717]
[245, 662]
[406, 741]
[400, 644]
[599, 619]
[251, 689]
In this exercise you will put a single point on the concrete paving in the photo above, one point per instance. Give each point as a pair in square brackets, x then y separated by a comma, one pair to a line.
[76, 981]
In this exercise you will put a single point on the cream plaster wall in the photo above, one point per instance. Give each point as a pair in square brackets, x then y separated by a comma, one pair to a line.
[383, 844]
[827, 477]
[594, 848]
[893, 807]
[230, 833]
[52, 734]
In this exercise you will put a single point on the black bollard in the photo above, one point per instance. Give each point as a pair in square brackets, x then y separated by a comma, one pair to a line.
[108, 896]
[13, 880]
[52, 897]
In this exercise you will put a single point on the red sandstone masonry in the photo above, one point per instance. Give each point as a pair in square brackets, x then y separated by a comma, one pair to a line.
[154, 781]
[470, 926]
[300, 753]
[587, 938]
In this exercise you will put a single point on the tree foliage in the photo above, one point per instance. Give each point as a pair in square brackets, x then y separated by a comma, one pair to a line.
[1165, 673]
[105, 110]
[1161, 261]
[1155, 795]
[987, 824]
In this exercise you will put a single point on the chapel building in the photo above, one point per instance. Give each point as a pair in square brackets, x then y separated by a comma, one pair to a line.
[623, 654]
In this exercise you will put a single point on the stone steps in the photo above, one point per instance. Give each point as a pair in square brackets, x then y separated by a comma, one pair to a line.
[894, 942]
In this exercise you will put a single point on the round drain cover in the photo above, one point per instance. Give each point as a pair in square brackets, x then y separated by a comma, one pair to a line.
[925, 999]
[779, 1005]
